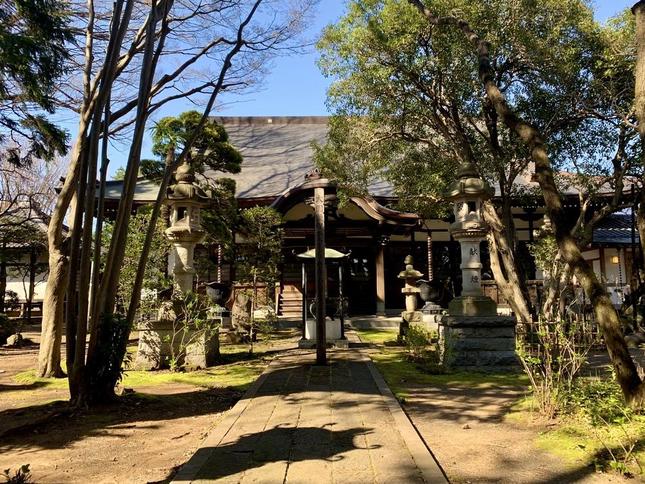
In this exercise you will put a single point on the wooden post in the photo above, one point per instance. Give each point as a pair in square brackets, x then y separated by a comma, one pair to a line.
[321, 276]
[304, 300]
[380, 280]
[429, 242]
[32, 282]
[341, 299]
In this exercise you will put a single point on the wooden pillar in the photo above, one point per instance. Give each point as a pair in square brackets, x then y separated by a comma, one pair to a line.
[321, 276]
[33, 259]
[304, 300]
[219, 263]
[429, 241]
[380, 280]
[341, 299]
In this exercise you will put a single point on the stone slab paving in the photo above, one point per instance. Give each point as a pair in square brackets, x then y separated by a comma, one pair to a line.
[302, 423]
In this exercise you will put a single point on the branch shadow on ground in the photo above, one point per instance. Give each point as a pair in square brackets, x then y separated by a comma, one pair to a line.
[59, 424]
[282, 444]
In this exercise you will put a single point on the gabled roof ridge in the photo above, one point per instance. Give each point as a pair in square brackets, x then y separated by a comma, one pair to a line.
[270, 120]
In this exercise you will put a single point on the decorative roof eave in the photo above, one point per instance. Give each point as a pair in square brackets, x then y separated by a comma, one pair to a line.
[385, 215]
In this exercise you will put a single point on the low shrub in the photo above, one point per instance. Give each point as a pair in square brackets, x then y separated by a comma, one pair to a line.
[417, 340]
[21, 476]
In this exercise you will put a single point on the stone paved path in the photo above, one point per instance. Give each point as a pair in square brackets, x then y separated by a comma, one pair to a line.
[304, 423]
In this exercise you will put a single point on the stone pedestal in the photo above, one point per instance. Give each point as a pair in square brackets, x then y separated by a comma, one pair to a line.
[432, 314]
[479, 343]
[472, 306]
[155, 340]
[333, 335]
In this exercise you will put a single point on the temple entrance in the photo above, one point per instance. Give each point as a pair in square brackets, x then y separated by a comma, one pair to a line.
[360, 284]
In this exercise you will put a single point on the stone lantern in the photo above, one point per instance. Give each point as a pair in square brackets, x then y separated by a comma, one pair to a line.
[186, 200]
[473, 336]
[467, 194]
[411, 276]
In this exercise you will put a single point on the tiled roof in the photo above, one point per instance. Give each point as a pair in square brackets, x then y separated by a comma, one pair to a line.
[615, 229]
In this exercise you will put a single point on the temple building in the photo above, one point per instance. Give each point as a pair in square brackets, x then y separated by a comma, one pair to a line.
[278, 171]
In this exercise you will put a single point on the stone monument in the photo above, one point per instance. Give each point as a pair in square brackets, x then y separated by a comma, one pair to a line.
[431, 310]
[186, 199]
[474, 337]
[410, 275]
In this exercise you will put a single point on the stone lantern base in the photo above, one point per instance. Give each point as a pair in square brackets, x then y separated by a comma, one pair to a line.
[479, 343]
[155, 340]
[472, 306]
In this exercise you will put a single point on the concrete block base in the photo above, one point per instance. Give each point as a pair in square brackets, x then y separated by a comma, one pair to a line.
[479, 343]
[311, 343]
[332, 330]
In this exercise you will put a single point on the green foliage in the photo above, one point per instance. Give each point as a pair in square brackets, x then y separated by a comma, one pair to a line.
[119, 174]
[543, 251]
[409, 105]
[220, 219]
[211, 150]
[260, 254]
[33, 55]
[155, 277]
[599, 400]
[21, 476]
[599, 427]
[417, 340]
[194, 321]
[552, 357]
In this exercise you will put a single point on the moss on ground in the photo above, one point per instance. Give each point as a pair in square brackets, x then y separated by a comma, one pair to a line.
[235, 375]
[29, 377]
[399, 372]
[377, 336]
[609, 446]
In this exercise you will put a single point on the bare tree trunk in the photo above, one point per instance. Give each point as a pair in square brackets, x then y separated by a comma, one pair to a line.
[3, 275]
[53, 310]
[606, 316]
[504, 267]
[228, 62]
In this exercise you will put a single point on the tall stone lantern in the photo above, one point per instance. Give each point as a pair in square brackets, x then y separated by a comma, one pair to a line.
[186, 200]
[473, 336]
[468, 193]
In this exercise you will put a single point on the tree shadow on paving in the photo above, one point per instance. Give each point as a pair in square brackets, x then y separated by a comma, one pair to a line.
[58, 424]
[279, 444]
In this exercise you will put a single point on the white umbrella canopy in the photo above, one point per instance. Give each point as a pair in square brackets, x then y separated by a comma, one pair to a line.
[329, 254]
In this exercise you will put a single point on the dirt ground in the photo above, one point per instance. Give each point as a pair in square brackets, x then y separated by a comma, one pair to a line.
[143, 438]
[155, 429]
[474, 441]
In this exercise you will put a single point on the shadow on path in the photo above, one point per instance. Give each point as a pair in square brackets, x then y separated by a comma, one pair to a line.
[279, 444]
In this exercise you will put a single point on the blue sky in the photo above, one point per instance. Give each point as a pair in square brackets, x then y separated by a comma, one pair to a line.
[295, 85]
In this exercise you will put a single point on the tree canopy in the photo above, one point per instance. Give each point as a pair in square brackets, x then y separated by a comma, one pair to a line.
[33, 55]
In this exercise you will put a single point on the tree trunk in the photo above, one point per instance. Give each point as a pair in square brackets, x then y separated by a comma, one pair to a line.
[3, 276]
[504, 268]
[53, 308]
[640, 224]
